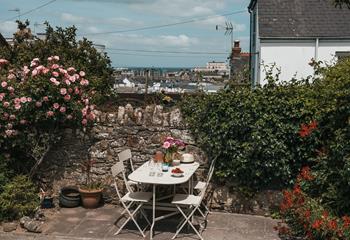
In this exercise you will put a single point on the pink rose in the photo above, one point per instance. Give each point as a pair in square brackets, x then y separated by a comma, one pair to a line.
[86, 101]
[36, 60]
[56, 58]
[6, 115]
[2, 95]
[50, 113]
[34, 73]
[23, 121]
[69, 117]
[8, 132]
[3, 61]
[11, 76]
[67, 82]
[70, 90]
[17, 106]
[54, 66]
[63, 91]
[11, 89]
[6, 104]
[62, 109]
[166, 145]
[46, 70]
[17, 100]
[84, 122]
[29, 99]
[71, 69]
[9, 126]
[55, 74]
[38, 104]
[76, 90]
[56, 105]
[84, 112]
[12, 117]
[23, 99]
[67, 97]
[46, 99]
[91, 116]
[53, 80]
[49, 59]
[82, 74]
[3, 84]
[72, 78]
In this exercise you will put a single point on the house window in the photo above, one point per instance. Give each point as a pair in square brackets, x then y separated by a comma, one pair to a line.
[342, 54]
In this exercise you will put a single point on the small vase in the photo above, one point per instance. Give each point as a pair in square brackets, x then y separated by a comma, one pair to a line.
[168, 158]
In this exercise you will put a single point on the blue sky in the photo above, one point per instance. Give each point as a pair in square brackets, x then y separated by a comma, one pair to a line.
[95, 16]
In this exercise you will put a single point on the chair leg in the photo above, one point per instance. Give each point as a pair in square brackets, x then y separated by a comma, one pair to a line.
[131, 217]
[187, 220]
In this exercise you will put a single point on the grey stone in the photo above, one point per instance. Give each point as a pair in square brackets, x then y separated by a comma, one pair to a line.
[31, 225]
[9, 227]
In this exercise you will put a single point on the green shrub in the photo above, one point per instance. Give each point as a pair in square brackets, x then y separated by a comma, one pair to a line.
[19, 198]
[257, 132]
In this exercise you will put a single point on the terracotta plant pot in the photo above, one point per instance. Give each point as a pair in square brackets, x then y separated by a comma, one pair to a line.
[90, 198]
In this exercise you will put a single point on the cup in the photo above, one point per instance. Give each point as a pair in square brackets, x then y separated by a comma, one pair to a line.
[176, 162]
[165, 167]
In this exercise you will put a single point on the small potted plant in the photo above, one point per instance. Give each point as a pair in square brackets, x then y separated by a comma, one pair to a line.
[46, 199]
[90, 191]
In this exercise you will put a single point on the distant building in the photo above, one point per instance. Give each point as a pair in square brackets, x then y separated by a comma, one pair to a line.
[213, 71]
[291, 33]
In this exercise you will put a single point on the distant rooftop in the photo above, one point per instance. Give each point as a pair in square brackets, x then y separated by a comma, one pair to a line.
[302, 19]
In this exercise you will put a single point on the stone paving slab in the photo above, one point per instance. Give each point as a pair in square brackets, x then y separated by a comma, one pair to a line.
[99, 224]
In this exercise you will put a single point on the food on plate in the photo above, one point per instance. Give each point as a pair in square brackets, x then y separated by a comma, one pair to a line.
[177, 171]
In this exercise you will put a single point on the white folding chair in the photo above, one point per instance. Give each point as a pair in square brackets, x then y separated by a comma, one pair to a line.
[126, 156]
[129, 199]
[199, 186]
[193, 203]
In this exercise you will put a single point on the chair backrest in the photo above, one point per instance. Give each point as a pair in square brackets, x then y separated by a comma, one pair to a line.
[126, 155]
[210, 175]
[117, 170]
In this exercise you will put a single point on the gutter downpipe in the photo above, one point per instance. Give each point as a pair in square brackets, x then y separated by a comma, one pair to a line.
[250, 48]
[317, 43]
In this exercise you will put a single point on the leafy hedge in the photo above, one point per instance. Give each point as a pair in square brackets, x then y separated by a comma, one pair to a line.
[260, 133]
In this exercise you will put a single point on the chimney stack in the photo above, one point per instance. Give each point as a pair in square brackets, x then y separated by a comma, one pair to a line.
[236, 50]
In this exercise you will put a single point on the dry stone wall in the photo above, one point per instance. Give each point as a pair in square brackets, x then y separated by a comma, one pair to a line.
[141, 130]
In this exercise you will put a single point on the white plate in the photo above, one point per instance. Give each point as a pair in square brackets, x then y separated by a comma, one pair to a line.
[177, 174]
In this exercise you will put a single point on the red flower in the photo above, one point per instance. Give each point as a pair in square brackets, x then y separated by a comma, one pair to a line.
[304, 131]
[313, 125]
[317, 224]
[332, 224]
[307, 214]
[346, 220]
[306, 173]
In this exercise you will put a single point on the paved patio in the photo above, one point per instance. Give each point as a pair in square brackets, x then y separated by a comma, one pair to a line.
[79, 223]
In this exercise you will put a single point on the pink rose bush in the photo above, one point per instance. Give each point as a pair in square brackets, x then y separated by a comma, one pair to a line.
[42, 97]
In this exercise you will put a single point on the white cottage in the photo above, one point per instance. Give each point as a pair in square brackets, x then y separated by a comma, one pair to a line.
[290, 33]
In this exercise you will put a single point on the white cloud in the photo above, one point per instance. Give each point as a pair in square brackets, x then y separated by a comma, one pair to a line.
[7, 28]
[179, 8]
[116, 21]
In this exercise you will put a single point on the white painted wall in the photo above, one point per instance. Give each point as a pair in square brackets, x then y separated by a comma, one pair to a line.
[293, 56]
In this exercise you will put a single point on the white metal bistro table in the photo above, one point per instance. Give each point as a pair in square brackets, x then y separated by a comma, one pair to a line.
[142, 175]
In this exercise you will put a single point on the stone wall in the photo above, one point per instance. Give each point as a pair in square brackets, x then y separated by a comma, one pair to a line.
[141, 130]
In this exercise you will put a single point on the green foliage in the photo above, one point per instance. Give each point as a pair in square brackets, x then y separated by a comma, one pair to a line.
[62, 42]
[257, 132]
[341, 3]
[19, 198]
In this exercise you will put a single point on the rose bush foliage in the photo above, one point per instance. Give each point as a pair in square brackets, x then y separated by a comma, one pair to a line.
[36, 101]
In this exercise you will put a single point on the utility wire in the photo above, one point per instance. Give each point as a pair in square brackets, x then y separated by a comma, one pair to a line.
[160, 51]
[164, 25]
[30, 11]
